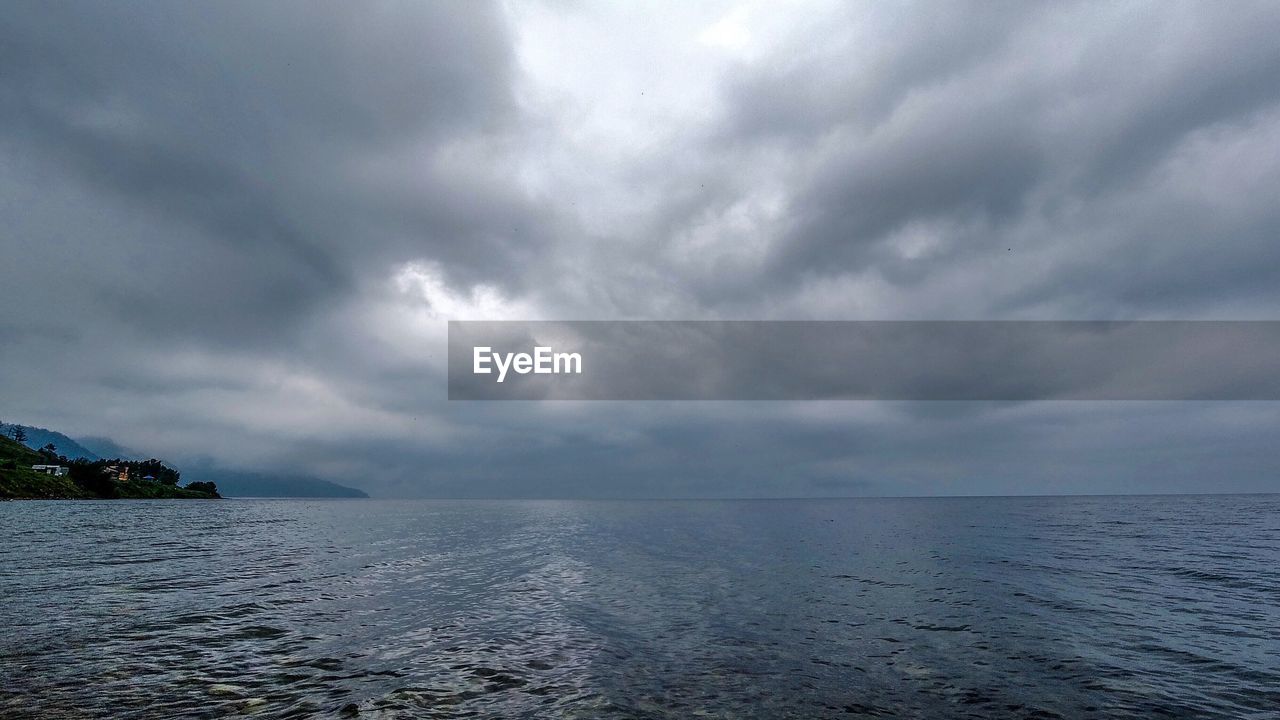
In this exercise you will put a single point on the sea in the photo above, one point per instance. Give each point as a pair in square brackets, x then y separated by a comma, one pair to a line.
[1027, 607]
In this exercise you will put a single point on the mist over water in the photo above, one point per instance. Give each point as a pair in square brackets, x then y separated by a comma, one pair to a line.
[976, 607]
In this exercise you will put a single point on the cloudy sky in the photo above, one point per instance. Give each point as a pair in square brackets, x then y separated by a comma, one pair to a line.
[233, 232]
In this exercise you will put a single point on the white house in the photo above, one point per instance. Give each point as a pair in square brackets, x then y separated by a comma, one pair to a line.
[50, 469]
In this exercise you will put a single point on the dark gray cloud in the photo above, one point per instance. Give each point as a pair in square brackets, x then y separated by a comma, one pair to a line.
[267, 157]
[234, 231]
[969, 131]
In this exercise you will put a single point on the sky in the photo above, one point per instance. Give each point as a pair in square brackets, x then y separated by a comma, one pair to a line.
[234, 232]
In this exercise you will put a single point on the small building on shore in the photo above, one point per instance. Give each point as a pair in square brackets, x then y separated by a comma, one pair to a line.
[118, 472]
[57, 470]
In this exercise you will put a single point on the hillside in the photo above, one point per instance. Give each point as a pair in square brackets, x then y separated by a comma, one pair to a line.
[18, 480]
[38, 437]
[230, 482]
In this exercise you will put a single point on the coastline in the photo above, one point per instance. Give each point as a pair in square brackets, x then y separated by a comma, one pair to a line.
[27, 474]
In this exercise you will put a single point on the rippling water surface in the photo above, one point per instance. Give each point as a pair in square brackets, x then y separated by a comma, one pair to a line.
[984, 608]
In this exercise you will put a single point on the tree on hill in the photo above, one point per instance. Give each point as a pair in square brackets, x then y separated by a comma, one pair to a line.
[18, 434]
[50, 455]
[204, 487]
[156, 469]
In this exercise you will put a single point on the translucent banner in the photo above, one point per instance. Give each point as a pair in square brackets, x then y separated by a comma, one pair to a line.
[864, 360]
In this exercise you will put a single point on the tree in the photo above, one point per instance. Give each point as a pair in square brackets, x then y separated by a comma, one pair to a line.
[90, 475]
[204, 487]
[19, 434]
[50, 453]
[156, 469]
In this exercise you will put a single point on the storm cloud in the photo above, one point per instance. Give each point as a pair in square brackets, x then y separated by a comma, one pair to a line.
[234, 232]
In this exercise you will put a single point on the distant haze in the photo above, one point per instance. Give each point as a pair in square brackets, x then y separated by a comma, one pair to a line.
[234, 231]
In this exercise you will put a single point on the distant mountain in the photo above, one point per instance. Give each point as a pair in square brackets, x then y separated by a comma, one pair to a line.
[108, 448]
[39, 437]
[233, 483]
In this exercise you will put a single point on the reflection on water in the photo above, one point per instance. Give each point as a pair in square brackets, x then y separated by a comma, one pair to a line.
[985, 608]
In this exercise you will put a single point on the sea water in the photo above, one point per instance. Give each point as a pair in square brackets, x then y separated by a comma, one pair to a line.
[1080, 607]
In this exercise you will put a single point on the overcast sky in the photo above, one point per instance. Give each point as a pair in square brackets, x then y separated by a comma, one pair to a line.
[233, 232]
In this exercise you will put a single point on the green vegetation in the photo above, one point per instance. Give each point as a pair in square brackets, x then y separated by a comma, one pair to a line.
[18, 480]
[89, 478]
